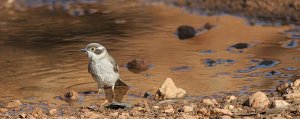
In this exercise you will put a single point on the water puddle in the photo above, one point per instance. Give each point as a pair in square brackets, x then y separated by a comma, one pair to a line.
[40, 54]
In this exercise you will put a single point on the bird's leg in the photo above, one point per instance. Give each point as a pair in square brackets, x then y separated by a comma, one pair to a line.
[98, 93]
[113, 93]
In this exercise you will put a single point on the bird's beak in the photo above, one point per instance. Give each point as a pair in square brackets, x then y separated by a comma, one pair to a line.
[83, 50]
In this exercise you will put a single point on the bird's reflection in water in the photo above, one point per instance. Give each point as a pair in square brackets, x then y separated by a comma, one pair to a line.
[120, 91]
[115, 98]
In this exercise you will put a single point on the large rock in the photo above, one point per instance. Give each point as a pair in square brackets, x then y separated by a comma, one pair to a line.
[258, 100]
[169, 90]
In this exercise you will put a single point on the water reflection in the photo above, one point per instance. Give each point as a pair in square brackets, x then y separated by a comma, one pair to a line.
[40, 54]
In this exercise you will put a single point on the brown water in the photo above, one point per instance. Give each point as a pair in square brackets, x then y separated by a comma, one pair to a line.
[40, 54]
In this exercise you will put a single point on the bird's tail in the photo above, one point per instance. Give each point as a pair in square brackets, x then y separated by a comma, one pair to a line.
[120, 83]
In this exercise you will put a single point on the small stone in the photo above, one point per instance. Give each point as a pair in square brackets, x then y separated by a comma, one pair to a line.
[115, 114]
[230, 107]
[225, 117]
[280, 104]
[138, 108]
[208, 26]
[186, 32]
[222, 111]
[71, 95]
[23, 115]
[230, 98]
[124, 115]
[258, 100]
[186, 116]
[155, 107]
[3, 110]
[38, 113]
[13, 104]
[282, 88]
[188, 108]
[168, 90]
[95, 116]
[53, 111]
[204, 111]
[147, 94]
[209, 102]
[169, 109]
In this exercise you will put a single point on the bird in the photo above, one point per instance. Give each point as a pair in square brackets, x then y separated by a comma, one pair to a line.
[102, 66]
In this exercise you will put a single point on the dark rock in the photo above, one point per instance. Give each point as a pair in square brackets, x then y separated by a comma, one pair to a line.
[137, 65]
[241, 45]
[267, 63]
[71, 95]
[208, 26]
[116, 105]
[181, 68]
[147, 94]
[186, 32]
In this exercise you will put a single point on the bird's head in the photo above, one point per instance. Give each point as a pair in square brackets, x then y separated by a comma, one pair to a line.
[95, 51]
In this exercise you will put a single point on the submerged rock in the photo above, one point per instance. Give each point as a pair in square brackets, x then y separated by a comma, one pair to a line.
[71, 95]
[169, 90]
[258, 100]
[240, 45]
[291, 44]
[181, 68]
[137, 65]
[186, 32]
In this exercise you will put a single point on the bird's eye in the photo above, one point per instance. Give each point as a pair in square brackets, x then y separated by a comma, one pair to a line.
[92, 49]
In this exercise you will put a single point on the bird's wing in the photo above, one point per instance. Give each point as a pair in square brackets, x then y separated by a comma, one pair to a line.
[114, 63]
[116, 69]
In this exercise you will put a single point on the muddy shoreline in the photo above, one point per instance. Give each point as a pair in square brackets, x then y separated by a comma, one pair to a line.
[283, 104]
[275, 11]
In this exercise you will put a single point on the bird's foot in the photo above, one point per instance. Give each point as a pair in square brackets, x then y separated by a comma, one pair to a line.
[105, 102]
[98, 93]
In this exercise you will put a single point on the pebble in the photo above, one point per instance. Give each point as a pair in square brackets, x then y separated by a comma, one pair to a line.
[13, 104]
[280, 104]
[71, 95]
[53, 111]
[222, 111]
[169, 109]
[3, 110]
[230, 98]
[209, 102]
[188, 108]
